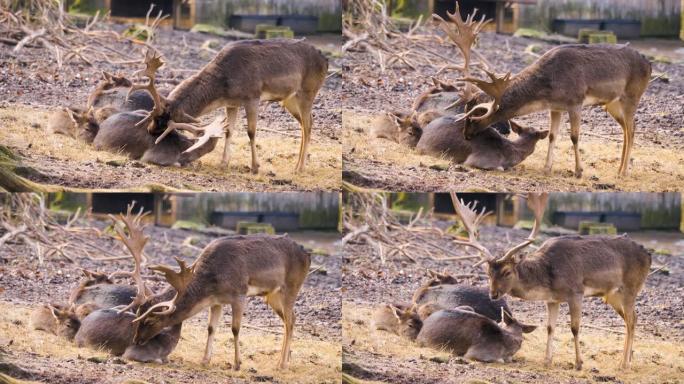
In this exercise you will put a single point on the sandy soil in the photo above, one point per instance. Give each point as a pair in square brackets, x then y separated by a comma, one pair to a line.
[36, 355]
[379, 356]
[657, 161]
[31, 87]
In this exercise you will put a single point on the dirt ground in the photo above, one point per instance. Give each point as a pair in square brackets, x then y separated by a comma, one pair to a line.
[31, 86]
[657, 160]
[36, 355]
[378, 356]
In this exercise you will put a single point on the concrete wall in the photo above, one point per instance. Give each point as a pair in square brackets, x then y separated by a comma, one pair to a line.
[658, 210]
[218, 12]
[658, 17]
[317, 210]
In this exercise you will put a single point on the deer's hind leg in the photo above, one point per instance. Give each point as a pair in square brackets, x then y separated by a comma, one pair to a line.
[624, 306]
[628, 109]
[284, 307]
[483, 353]
[300, 106]
[238, 307]
[575, 305]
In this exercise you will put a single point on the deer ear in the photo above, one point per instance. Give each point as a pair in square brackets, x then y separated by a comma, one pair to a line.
[107, 76]
[519, 257]
[528, 328]
[397, 312]
[541, 135]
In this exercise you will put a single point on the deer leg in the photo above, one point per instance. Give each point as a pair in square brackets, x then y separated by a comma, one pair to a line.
[575, 316]
[231, 117]
[553, 135]
[614, 108]
[552, 312]
[630, 325]
[238, 308]
[628, 110]
[305, 103]
[252, 108]
[214, 317]
[575, 120]
[283, 308]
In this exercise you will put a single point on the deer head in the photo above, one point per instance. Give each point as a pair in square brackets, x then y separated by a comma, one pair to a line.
[161, 118]
[501, 270]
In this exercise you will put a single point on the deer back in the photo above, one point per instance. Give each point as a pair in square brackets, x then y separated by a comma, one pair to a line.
[567, 265]
[459, 330]
[107, 329]
[452, 296]
[103, 295]
[271, 69]
[256, 264]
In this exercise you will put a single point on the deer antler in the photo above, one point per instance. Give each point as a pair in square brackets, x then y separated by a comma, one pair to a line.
[537, 203]
[178, 280]
[152, 63]
[495, 89]
[213, 129]
[471, 221]
[135, 242]
[463, 34]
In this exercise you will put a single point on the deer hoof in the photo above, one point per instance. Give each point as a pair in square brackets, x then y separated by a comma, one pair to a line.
[578, 366]
[205, 362]
[548, 363]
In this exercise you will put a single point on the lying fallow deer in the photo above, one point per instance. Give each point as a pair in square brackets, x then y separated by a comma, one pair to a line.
[452, 295]
[113, 329]
[565, 269]
[228, 270]
[98, 291]
[466, 333]
[563, 80]
[242, 74]
[108, 98]
[56, 319]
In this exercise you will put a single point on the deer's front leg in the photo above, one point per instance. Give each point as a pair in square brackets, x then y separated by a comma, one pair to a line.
[575, 317]
[575, 119]
[214, 317]
[252, 108]
[552, 312]
[553, 135]
[231, 117]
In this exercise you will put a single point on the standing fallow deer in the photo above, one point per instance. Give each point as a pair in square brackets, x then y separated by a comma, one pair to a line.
[565, 79]
[565, 269]
[241, 75]
[227, 271]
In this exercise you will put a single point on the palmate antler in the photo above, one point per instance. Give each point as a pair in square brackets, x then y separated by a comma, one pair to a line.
[178, 280]
[471, 221]
[135, 242]
[463, 33]
[495, 89]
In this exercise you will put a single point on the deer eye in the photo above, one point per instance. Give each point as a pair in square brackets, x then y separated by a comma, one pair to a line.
[506, 273]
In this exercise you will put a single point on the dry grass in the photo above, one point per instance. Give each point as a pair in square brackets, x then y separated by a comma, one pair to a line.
[25, 126]
[312, 361]
[654, 361]
[652, 169]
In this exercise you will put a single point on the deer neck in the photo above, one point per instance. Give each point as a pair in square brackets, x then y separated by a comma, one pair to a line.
[194, 95]
[533, 281]
[519, 149]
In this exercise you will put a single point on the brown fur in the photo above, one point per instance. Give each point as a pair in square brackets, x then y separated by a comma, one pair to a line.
[272, 266]
[57, 319]
[488, 150]
[565, 269]
[466, 333]
[245, 72]
[397, 318]
[565, 78]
